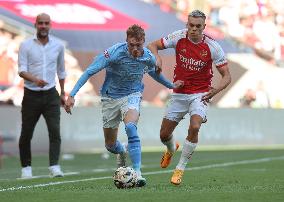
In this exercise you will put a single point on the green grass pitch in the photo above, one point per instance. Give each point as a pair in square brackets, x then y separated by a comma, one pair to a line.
[231, 175]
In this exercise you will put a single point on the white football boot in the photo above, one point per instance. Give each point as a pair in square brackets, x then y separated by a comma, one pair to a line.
[141, 181]
[55, 171]
[27, 173]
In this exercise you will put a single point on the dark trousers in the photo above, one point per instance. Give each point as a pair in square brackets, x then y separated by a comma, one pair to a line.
[35, 104]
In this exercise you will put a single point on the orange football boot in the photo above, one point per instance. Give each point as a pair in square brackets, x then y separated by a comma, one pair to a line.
[167, 156]
[176, 178]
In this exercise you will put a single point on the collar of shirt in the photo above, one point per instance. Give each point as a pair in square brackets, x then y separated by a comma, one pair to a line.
[36, 39]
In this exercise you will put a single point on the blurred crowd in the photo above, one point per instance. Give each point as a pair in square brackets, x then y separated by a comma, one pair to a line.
[11, 85]
[256, 98]
[258, 24]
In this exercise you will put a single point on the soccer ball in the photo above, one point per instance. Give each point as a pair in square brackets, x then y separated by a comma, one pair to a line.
[125, 177]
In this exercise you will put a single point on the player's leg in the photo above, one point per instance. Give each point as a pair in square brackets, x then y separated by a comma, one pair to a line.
[131, 111]
[134, 145]
[31, 112]
[176, 109]
[188, 148]
[198, 112]
[111, 142]
[111, 119]
[166, 136]
[51, 113]
[134, 150]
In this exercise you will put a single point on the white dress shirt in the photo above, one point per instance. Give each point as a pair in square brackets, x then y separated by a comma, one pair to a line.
[42, 61]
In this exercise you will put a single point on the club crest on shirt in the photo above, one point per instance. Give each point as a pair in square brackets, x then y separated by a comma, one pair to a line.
[203, 53]
[106, 54]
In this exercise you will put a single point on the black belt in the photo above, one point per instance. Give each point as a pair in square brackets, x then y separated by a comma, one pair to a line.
[40, 92]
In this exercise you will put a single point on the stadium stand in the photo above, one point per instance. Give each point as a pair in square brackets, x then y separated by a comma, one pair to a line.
[245, 22]
[168, 16]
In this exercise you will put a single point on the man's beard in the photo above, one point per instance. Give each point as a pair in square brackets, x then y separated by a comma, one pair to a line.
[42, 36]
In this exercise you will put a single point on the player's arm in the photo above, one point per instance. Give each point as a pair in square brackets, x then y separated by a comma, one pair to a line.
[164, 81]
[154, 47]
[224, 82]
[61, 73]
[219, 59]
[62, 91]
[97, 65]
[28, 76]
[23, 67]
[169, 41]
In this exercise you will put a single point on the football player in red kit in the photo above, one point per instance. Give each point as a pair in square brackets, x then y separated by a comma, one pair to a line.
[195, 55]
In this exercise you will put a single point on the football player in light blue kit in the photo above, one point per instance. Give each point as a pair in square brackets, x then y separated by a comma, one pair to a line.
[121, 93]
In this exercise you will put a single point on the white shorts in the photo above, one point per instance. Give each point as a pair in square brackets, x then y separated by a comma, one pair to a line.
[181, 104]
[114, 110]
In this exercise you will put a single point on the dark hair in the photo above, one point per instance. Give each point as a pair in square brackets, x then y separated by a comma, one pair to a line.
[136, 31]
[197, 14]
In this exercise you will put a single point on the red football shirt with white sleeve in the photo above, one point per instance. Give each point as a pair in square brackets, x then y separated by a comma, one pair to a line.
[194, 61]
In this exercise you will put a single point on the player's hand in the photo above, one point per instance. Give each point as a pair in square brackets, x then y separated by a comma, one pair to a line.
[62, 99]
[208, 96]
[159, 64]
[69, 104]
[40, 83]
[178, 84]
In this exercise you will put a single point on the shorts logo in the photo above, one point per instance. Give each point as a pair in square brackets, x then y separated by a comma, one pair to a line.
[106, 54]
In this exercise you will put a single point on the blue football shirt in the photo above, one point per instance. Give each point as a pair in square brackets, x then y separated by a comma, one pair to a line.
[124, 73]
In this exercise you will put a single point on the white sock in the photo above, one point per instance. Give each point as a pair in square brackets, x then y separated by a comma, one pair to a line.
[171, 146]
[187, 151]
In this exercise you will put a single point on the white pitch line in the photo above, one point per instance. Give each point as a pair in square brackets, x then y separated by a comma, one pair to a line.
[48, 176]
[222, 165]
[52, 183]
[147, 173]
